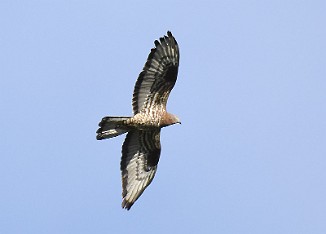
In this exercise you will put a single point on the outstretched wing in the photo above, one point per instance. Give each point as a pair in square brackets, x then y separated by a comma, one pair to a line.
[159, 75]
[140, 155]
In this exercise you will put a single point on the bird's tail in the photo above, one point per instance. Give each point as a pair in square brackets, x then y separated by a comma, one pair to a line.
[112, 127]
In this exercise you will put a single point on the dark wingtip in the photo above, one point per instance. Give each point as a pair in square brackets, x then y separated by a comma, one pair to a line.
[171, 36]
[99, 137]
[126, 205]
[163, 40]
[99, 130]
[156, 42]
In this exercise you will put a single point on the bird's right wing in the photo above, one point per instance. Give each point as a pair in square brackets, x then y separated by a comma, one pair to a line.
[159, 75]
[140, 155]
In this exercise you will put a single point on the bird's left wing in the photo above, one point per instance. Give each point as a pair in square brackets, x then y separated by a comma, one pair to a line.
[140, 155]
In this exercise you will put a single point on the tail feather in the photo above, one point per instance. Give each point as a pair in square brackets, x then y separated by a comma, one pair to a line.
[111, 127]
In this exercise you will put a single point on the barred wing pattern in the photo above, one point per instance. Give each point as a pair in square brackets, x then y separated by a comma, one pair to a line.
[140, 155]
[159, 75]
[142, 148]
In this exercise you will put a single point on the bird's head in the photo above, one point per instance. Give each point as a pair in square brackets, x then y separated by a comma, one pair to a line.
[170, 119]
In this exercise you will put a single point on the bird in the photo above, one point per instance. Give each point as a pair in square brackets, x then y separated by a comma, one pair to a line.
[141, 148]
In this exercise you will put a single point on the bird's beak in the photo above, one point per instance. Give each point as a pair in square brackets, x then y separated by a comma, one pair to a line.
[178, 122]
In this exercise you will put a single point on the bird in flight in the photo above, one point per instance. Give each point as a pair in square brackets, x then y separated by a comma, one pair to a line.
[142, 148]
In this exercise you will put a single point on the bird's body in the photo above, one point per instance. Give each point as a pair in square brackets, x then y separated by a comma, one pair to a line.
[141, 148]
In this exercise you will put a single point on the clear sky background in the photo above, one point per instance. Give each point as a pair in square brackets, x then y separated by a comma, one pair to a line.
[249, 157]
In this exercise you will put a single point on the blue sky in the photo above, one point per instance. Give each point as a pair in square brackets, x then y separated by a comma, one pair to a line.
[249, 156]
